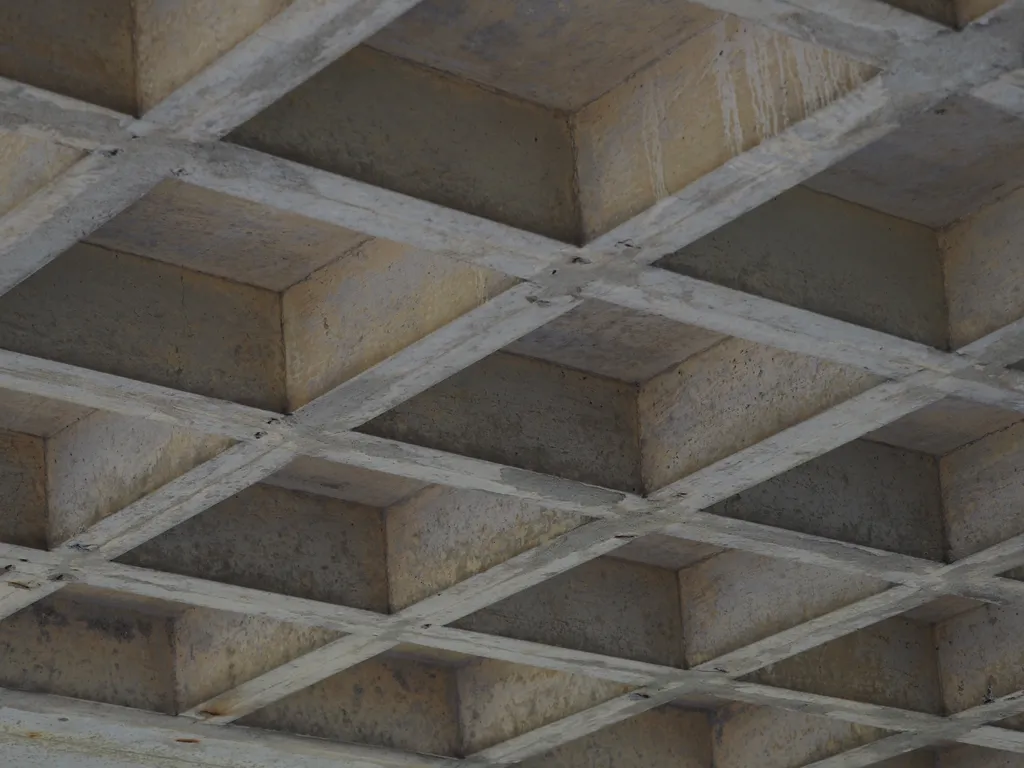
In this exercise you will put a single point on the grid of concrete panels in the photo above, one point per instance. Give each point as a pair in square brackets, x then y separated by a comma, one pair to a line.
[622, 383]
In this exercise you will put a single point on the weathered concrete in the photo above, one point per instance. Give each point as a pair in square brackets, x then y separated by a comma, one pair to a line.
[281, 541]
[734, 599]
[728, 398]
[225, 237]
[104, 462]
[605, 606]
[566, 56]
[815, 251]
[325, 478]
[334, 122]
[89, 646]
[944, 426]
[389, 702]
[529, 414]
[175, 41]
[323, 316]
[139, 318]
[442, 536]
[498, 701]
[23, 484]
[614, 342]
[635, 146]
[80, 50]
[29, 164]
[863, 493]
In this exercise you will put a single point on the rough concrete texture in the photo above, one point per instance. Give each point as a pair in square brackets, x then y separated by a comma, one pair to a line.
[635, 147]
[892, 663]
[462, 146]
[814, 251]
[82, 50]
[282, 541]
[409, 292]
[134, 317]
[105, 462]
[337, 481]
[614, 342]
[772, 738]
[443, 536]
[529, 414]
[225, 236]
[664, 736]
[728, 398]
[863, 493]
[605, 606]
[28, 165]
[980, 657]
[981, 487]
[565, 55]
[937, 186]
[983, 268]
[176, 40]
[735, 598]
[498, 700]
[214, 651]
[39, 416]
[385, 702]
[23, 485]
[89, 649]
[942, 427]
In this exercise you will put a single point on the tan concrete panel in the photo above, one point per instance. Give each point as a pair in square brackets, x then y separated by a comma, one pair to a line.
[498, 700]
[604, 606]
[338, 481]
[663, 736]
[360, 310]
[728, 398]
[176, 39]
[892, 663]
[529, 414]
[225, 236]
[615, 342]
[385, 702]
[280, 541]
[977, 757]
[982, 485]
[443, 536]
[942, 11]
[398, 125]
[734, 599]
[106, 461]
[775, 738]
[820, 253]
[717, 95]
[863, 493]
[89, 650]
[23, 489]
[142, 319]
[34, 415]
[984, 266]
[80, 49]
[942, 427]
[563, 55]
[939, 166]
[214, 651]
[29, 164]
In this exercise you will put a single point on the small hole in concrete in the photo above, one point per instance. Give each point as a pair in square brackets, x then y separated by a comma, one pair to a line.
[639, 696]
[187, 741]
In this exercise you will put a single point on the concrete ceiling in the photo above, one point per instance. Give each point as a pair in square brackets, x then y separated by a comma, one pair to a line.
[393, 383]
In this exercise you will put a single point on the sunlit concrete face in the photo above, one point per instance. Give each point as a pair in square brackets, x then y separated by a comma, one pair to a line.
[629, 383]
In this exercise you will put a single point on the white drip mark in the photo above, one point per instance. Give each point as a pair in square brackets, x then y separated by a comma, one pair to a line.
[723, 60]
